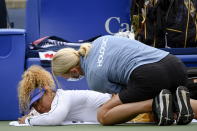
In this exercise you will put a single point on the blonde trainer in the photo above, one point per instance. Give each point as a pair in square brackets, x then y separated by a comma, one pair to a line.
[135, 71]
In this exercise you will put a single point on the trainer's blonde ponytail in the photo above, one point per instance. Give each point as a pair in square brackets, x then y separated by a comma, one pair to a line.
[67, 58]
[84, 49]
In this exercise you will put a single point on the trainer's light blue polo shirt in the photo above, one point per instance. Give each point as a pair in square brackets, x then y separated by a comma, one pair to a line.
[112, 59]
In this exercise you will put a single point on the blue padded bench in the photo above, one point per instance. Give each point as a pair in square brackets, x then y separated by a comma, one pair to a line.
[12, 55]
[187, 55]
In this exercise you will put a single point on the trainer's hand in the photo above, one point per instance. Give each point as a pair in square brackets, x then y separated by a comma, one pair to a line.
[22, 119]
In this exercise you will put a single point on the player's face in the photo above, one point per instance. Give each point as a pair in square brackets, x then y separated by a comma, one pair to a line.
[43, 105]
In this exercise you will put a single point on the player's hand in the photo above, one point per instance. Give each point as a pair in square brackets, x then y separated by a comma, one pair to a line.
[22, 119]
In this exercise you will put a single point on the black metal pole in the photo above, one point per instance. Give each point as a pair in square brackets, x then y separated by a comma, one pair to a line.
[3, 14]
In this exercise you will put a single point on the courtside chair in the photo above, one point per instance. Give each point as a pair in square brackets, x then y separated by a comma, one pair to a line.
[12, 56]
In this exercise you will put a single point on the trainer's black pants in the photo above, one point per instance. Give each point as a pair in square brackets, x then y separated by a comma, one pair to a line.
[148, 80]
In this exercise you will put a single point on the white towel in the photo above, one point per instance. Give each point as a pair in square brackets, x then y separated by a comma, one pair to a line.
[16, 123]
